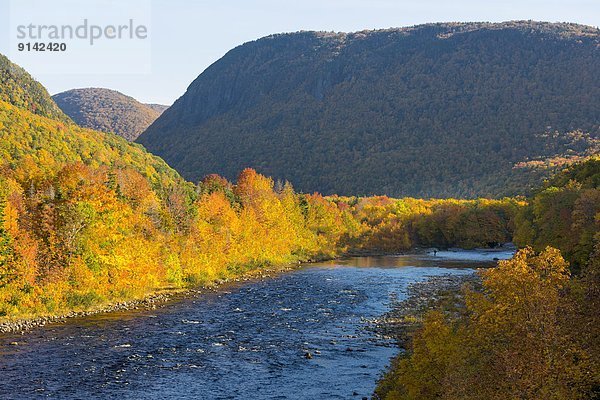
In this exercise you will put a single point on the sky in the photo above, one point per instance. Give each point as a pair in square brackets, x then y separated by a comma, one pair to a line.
[186, 36]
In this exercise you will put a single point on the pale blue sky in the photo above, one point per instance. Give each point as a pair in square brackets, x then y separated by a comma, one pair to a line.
[189, 35]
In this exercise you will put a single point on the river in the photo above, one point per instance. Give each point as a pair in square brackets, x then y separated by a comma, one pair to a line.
[246, 341]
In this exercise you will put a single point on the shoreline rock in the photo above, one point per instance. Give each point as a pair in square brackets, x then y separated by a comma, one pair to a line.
[150, 302]
[406, 315]
[26, 324]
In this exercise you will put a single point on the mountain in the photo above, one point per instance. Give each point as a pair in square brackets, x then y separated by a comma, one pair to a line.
[461, 109]
[108, 111]
[19, 88]
[159, 108]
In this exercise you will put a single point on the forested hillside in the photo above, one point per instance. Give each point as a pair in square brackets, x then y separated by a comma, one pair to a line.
[108, 111]
[19, 88]
[88, 219]
[445, 110]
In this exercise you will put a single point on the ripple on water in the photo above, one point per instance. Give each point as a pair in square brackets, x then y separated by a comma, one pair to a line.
[247, 343]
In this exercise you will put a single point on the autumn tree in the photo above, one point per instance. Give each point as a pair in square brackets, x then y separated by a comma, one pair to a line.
[511, 342]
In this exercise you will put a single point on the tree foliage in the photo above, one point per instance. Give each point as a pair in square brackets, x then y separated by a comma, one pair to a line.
[533, 332]
[565, 214]
[516, 339]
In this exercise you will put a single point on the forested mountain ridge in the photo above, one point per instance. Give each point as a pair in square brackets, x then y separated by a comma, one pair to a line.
[439, 110]
[108, 111]
[18, 87]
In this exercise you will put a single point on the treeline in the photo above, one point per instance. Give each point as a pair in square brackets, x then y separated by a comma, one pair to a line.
[85, 236]
[565, 214]
[394, 225]
[533, 332]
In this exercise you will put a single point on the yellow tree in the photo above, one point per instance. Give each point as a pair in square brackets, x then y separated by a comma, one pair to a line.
[509, 344]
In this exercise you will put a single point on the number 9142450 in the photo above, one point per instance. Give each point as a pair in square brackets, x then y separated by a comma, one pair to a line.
[41, 46]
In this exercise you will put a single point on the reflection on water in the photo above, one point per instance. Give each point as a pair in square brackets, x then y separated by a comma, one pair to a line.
[442, 259]
[247, 342]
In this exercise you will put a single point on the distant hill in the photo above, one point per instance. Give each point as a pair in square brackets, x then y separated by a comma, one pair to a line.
[465, 109]
[19, 88]
[159, 108]
[108, 111]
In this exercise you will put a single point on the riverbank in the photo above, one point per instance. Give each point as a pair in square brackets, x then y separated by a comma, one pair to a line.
[388, 324]
[149, 302]
[405, 316]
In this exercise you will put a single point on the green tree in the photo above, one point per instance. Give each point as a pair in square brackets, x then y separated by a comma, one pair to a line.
[6, 249]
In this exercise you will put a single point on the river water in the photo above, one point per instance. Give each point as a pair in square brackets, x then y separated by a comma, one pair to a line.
[247, 341]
